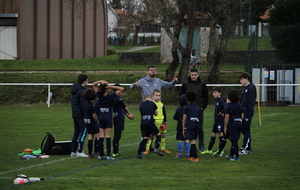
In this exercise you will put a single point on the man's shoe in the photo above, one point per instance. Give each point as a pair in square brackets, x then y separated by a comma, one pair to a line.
[73, 154]
[166, 151]
[207, 152]
[109, 158]
[146, 152]
[187, 155]
[159, 153]
[82, 154]
[139, 156]
[178, 155]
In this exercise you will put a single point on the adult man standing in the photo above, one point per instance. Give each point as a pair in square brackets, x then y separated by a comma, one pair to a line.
[77, 103]
[195, 84]
[247, 101]
[149, 83]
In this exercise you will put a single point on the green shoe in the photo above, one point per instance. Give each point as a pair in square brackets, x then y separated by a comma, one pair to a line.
[114, 155]
[219, 154]
[207, 152]
[222, 153]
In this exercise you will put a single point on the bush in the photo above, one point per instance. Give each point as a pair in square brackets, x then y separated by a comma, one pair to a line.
[111, 52]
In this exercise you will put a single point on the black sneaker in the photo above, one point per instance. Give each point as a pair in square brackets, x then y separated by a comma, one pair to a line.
[201, 149]
[159, 153]
[139, 157]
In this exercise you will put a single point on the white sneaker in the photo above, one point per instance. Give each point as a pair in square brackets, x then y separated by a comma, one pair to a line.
[82, 154]
[73, 154]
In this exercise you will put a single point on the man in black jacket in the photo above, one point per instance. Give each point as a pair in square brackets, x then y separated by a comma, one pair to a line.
[77, 102]
[195, 84]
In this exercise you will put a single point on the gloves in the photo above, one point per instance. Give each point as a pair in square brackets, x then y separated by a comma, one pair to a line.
[163, 126]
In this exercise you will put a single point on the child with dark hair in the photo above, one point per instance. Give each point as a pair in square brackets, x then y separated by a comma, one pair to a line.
[77, 103]
[190, 124]
[103, 108]
[90, 119]
[248, 101]
[234, 115]
[218, 126]
[119, 111]
[179, 136]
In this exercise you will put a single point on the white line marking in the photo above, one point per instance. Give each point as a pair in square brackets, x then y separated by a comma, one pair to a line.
[46, 163]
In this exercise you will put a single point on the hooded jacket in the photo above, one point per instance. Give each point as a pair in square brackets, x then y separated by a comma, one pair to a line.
[248, 99]
[77, 100]
[200, 88]
[148, 85]
[178, 113]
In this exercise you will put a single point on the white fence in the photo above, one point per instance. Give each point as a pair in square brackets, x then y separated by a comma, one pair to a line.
[282, 90]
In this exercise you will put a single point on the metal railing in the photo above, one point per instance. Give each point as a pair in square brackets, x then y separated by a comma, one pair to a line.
[258, 86]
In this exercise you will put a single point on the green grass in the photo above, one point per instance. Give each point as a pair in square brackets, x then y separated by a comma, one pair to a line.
[273, 165]
[237, 43]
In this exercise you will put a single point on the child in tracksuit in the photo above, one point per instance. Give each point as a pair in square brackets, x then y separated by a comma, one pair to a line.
[179, 136]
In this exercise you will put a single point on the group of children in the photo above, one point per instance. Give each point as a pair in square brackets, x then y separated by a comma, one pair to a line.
[228, 117]
[99, 117]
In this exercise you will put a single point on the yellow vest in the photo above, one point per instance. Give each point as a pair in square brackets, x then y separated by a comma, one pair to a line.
[160, 115]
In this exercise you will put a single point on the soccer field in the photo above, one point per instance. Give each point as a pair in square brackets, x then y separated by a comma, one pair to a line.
[273, 165]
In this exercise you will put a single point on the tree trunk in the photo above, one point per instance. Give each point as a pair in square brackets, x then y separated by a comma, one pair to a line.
[214, 68]
[184, 69]
[211, 51]
[170, 72]
[136, 35]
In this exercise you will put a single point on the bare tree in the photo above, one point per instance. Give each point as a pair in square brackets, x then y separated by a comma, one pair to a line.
[136, 14]
[173, 15]
[222, 12]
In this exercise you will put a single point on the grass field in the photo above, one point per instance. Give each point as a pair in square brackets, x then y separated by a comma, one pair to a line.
[273, 164]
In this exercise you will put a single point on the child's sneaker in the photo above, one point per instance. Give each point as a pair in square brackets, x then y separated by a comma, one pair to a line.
[82, 154]
[166, 151]
[114, 155]
[222, 153]
[139, 156]
[178, 155]
[102, 157]
[73, 154]
[194, 160]
[146, 152]
[91, 156]
[109, 158]
[216, 155]
[207, 152]
[235, 159]
[159, 153]
[229, 157]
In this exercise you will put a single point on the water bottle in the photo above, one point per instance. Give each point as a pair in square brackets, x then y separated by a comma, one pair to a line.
[31, 179]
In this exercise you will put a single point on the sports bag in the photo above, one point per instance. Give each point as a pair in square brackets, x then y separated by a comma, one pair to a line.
[47, 143]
